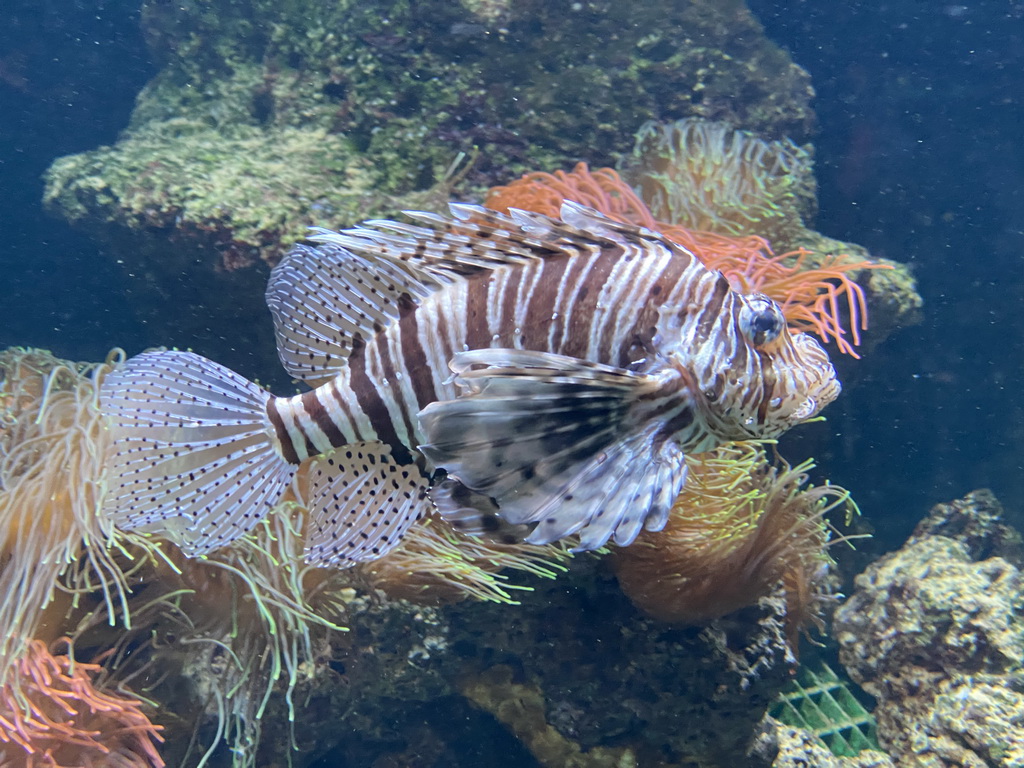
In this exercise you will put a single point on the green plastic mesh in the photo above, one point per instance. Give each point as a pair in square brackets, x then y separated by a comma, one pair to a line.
[820, 702]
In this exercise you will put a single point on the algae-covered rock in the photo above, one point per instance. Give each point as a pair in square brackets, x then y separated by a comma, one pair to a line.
[269, 116]
[935, 631]
[613, 684]
[392, 92]
[801, 749]
[237, 194]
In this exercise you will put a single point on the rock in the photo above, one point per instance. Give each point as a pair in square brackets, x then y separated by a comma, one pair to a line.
[267, 117]
[935, 631]
[800, 749]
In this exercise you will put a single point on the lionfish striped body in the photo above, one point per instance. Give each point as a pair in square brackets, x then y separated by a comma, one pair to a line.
[589, 358]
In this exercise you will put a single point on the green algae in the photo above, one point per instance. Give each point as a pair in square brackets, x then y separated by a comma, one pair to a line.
[353, 107]
[265, 187]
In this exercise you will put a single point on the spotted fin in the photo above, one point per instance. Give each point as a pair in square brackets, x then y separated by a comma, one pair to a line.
[473, 513]
[567, 445]
[191, 455]
[324, 298]
[361, 503]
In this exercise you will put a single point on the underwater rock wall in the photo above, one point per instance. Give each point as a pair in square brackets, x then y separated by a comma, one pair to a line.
[572, 677]
[935, 631]
[269, 117]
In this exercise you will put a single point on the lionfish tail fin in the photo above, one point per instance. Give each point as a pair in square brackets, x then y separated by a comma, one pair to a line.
[361, 502]
[559, 443]
[192, 455]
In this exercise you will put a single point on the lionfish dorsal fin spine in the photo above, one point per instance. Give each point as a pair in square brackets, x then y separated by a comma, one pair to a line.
[353, 284]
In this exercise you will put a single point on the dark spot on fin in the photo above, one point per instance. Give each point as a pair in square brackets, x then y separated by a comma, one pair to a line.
[362, 500]
[474, 513]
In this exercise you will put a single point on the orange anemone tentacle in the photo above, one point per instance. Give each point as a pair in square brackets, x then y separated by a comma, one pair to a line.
[811, 297]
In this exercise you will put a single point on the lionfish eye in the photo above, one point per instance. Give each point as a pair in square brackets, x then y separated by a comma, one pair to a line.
[761, 320]
[766, 323]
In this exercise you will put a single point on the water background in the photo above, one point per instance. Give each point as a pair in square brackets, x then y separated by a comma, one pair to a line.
[919, 158]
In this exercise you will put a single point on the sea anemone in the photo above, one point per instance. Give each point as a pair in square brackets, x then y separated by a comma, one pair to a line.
[435, 564]
[741, 527]
[602, 189]
[55, 546]
[708, 175]
[237, 625]
[810, 292]
[57, 552]
[53, 714]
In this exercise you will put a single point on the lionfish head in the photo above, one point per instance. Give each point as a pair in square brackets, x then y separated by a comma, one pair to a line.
[767, 378]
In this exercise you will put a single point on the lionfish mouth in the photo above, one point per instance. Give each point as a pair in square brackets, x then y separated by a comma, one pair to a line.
[814, 399]
[806, 410]
[820, 385]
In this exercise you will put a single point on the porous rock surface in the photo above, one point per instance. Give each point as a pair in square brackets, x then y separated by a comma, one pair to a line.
[935, 632]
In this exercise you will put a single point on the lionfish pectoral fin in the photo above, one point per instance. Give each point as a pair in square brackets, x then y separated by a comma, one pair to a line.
[361, 503]
[190, 457]
[474, 513]
[558, 442]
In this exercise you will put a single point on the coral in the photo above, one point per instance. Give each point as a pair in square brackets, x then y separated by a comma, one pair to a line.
[935, 632]
[810, 289]
[739, 527]
[56, 716]
[707, 175]
[821, 703]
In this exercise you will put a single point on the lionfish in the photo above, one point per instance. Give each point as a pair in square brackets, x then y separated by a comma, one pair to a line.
[512, 371]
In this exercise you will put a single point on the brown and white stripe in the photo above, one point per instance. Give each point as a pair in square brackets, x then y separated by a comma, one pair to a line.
[374, 317]
[596, 295]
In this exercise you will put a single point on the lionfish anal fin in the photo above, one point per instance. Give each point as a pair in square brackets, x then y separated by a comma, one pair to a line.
[361, 502]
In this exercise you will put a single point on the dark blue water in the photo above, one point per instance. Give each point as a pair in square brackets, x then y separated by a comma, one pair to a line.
[918, 158]
[69, 73]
